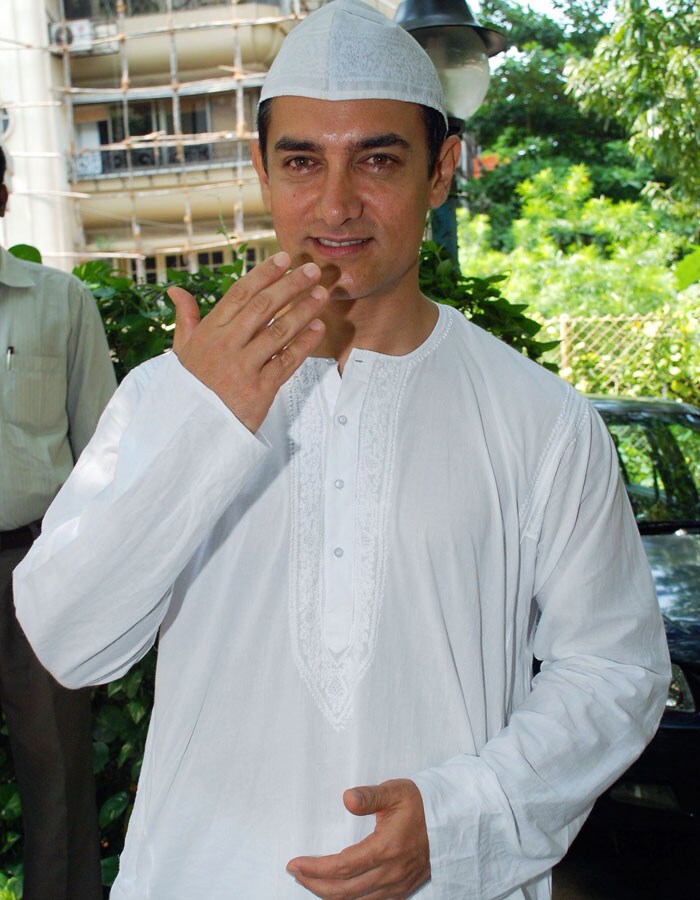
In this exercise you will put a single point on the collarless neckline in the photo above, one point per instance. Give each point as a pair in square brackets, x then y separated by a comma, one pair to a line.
[437, 333]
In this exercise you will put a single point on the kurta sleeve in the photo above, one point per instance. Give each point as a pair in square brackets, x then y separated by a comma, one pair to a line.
[166, 460]
[502, 818]
[91, 380]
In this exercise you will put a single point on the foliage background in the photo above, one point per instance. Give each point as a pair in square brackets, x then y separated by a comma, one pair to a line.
[593, 207]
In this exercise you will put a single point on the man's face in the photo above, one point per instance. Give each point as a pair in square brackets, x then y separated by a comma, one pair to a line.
[348, 187]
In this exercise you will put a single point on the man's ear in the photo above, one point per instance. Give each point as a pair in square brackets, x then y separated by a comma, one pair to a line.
[441, 179]
[262, 174]
[3, 199]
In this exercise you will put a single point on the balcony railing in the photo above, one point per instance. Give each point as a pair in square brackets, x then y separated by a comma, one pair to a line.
[107, 9]
[98, 163]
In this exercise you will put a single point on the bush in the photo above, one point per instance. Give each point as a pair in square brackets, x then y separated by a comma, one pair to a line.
[139, 318]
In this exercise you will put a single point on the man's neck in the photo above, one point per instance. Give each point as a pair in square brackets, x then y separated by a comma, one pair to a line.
[372, 324]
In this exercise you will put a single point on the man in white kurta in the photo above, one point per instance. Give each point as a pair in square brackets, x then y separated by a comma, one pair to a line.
[350, 578]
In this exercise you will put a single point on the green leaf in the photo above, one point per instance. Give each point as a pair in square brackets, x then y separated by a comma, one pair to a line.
[110, 867]
[110, 722]
[687, 271]
[113, 808]
[100, 756]
[132, 682]
[10, 806]
[11, 889]
[136, 769]
[26, 252]
[136, 710]
[126, 752]
[10, 838]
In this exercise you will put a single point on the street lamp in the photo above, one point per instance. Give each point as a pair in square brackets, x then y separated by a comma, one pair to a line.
[459, 48]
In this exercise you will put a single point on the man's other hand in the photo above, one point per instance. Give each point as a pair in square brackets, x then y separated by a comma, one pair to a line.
[255, 338]
[390, 864]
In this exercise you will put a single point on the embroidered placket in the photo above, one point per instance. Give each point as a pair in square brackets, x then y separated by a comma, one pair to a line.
[339, 433]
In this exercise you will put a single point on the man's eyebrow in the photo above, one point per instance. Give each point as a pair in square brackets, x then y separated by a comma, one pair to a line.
[294, 144]
[378, 141]
[374, 142]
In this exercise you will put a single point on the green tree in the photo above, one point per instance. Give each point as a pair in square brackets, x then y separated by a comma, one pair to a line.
[645, 76]
[530, 122]
[576, 253]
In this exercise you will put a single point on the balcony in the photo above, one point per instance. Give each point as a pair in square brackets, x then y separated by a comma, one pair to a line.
[161, 160]
[107, 9]
[201, 36]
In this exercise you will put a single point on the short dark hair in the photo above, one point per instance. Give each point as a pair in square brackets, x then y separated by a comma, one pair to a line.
[434, 120]
[3, 166]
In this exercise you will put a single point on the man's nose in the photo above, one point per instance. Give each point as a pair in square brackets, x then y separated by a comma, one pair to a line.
[339, 200]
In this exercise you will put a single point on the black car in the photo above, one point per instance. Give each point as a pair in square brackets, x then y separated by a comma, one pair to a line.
[658, 446]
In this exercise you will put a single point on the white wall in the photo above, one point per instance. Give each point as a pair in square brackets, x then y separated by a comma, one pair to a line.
[38, 213]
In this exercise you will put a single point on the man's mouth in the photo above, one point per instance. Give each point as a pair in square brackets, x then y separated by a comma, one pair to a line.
[325, 242]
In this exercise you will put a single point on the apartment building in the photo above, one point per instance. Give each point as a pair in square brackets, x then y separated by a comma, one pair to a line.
[128, 124]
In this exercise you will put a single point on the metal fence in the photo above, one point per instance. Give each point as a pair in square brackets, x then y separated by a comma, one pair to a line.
[651, 355]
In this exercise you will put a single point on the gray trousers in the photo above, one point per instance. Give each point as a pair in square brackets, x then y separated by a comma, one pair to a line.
[51, 743]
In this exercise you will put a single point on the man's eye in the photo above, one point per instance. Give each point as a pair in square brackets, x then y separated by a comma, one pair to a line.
[380, 161]
[299, 163]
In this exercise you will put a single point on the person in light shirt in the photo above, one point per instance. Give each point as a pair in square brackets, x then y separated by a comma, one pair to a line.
[56, 377]
[352, 519]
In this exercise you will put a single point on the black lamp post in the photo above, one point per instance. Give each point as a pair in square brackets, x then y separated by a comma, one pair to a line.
[459, 48]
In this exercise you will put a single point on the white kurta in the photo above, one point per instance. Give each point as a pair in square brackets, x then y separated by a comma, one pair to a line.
[350, 596]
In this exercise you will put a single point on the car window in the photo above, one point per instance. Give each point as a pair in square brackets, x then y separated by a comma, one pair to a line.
[659, 456]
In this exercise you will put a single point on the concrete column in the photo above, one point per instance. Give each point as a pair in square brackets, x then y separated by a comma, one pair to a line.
[38, 142]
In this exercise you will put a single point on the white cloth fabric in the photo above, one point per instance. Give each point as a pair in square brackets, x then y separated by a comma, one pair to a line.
[348, 51]
[350, 596]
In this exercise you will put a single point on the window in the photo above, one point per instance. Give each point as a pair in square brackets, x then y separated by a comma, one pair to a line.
[659, 455]
[252, 257]
[150, 266]
[86, 9]
[194, 119]
[156, 267]
[100, 125]
[176, 261]
[211, 258]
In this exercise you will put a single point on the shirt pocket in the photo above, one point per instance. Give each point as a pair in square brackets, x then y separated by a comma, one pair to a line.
[34, 395]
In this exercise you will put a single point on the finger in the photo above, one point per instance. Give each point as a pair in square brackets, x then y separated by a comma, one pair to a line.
[368, 799]
[187, 315]
[380, 884]
[278, 334]
[362, 801]
[363, 888]
[285, 363]
[350, 874]
[351, 862]
[272, 305]
[249, 285]
[365, 870]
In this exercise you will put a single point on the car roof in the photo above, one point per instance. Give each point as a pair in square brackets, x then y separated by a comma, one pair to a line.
[641, 404]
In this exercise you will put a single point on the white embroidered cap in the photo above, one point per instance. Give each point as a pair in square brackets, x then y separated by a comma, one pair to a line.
[348, 51]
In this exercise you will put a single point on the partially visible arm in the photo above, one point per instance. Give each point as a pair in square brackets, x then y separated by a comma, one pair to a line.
[91, 380]
[501, 819]
[504, 817]
[166, 460]
[172, 451]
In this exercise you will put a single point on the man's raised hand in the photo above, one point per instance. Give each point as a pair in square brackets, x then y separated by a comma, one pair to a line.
[389, 864]
[255, 338]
